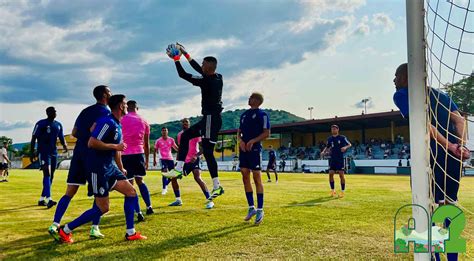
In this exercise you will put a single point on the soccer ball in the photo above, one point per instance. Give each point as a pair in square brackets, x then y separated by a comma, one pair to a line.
[173, 51]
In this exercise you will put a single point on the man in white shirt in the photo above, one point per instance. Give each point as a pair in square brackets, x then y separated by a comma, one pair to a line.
[4, 160]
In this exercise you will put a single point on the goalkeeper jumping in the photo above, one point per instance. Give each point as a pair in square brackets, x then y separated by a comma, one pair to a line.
[209, 126]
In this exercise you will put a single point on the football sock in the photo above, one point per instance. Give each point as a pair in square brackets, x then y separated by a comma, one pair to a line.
[130, 231]
[249, 196]
[137, 206]
[61, 209]
[331, 183]
[216, 182]
[145, 194]
[46, 187]
[177, 194]
[343, 186]
[179, 165]
[86, 217]
[259, 200]
[206, 194]
[96, 221]
[129, 207]
[164, 181]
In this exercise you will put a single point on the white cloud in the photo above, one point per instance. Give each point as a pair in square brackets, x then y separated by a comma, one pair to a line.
[196, 49]
[316, 9]
[14, 70]
[29, 113]
[363, 27]
[373, 52]
[11, 125]
[384, 21]
[37, 41]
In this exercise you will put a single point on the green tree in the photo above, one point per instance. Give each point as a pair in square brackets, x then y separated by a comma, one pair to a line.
[462, 93]
[5, 139]
[25, 151]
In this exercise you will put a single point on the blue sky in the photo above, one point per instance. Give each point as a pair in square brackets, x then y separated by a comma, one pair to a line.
[328, 54]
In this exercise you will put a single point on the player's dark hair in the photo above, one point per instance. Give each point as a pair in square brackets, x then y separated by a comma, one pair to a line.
[185, 119]
[50, 112]
[258, 96]
[132, 105]
[164, 128]
[211, 59]
[99, 91]
[115, 101]
[403, 68]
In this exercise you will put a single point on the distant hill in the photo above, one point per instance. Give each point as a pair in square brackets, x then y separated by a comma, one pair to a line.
[230, 120]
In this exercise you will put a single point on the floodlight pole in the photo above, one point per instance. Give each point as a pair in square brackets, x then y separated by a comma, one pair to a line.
[310, 109]
[419, 139]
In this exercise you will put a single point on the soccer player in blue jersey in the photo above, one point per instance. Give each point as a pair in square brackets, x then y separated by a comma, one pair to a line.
[254, 128]
[47, 131]
[103, 176]
[77, 170]
[336, 146]
[446, 153]
[271, 164]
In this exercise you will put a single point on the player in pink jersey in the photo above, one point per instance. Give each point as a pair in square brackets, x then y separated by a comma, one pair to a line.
[164, 145]
[135, 158]
[192, 163]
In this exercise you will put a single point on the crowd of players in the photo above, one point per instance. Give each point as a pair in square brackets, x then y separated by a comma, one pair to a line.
[112, 150]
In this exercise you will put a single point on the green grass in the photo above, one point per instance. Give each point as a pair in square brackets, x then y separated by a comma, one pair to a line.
[301, 221]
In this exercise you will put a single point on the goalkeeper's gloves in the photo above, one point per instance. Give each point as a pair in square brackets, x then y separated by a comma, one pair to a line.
[173, 52]
[183, 51]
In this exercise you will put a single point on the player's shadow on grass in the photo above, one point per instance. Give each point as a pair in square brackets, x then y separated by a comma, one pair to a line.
[44, 246]
[17, 209]
[311, 203]
[161, 248]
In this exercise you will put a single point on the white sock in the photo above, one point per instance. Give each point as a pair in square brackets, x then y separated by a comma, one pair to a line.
[66, 229]
[252, 207]
[216, 182]
[41, 198]
[48, 199]
[178, 198]
[95, 226]
[259, 209]
[179, 166]
[56, 224]
[131, 231]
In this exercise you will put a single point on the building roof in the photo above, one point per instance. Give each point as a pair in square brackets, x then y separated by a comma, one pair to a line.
[354, 122]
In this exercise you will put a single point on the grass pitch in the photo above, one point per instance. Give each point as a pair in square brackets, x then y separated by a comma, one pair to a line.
[301, 220]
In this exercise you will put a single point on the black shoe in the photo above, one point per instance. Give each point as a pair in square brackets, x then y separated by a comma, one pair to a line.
[149, 211]
[51, 203]
[140, 217]
[41, 203]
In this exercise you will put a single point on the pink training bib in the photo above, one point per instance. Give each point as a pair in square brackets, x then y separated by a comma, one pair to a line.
[193, 147]
[164, 146]
[134, 128]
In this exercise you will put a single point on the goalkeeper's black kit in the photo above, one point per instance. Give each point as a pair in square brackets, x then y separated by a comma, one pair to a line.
[210, 124]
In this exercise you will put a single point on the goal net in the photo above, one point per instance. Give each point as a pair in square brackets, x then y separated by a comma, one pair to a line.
[440, 36]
